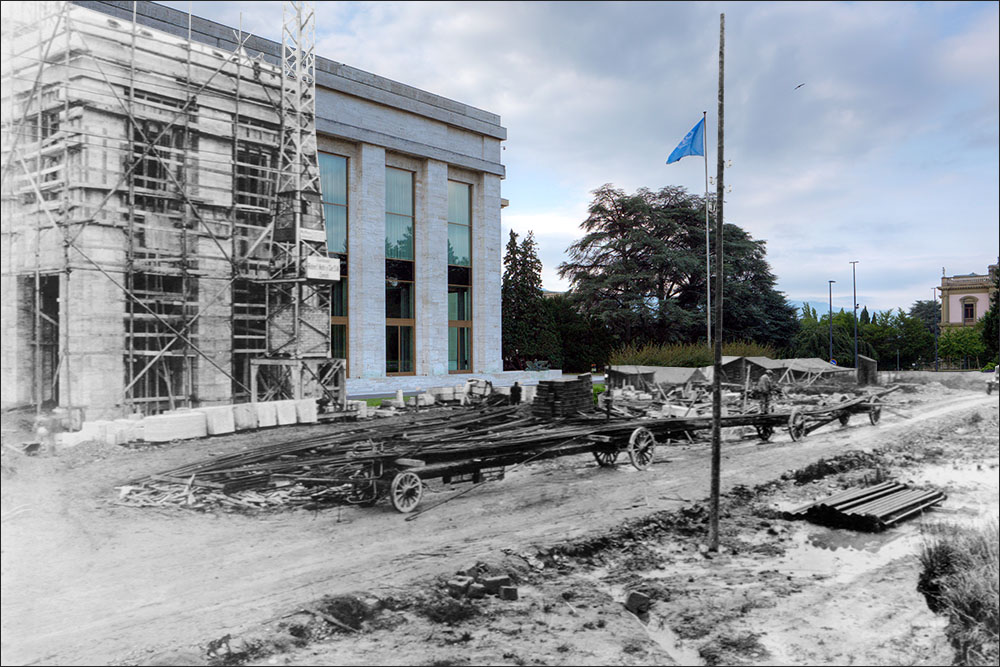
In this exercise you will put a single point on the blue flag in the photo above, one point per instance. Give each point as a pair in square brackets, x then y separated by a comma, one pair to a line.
[693, 143]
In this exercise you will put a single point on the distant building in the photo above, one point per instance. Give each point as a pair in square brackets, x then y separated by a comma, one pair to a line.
[966, 298]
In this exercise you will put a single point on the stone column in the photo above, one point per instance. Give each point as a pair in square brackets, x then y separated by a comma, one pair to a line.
[431, 253]
[486, 354]
[366, 263]
[95, 327]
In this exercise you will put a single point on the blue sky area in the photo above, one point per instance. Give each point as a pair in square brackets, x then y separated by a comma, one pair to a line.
[887, 155]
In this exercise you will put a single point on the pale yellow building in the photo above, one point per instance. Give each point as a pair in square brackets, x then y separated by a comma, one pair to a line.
[966, 298]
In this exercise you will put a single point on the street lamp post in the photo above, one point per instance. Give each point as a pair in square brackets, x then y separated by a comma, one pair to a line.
[854, 278]
[830, 287]
[937, 323]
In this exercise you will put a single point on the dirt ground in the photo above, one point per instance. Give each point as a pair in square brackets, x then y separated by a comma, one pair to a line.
[85, 581]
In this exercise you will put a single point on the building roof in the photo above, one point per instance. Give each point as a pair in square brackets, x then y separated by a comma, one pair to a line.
[662, 374]
[812, 365]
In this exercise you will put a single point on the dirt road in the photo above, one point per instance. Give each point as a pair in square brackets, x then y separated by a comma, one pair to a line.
[87, 582]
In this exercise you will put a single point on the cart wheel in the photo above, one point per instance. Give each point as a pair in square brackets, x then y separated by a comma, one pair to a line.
[364, 494]
[874, 410]
[606, 457]
[844, 418]
[641, 446]
[796, 425]
[765, 432]
[405, 491]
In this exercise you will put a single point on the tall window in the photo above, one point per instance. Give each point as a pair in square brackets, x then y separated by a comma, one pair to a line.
[399, 311]
[459, 277]
[333, 182]
[968, 311]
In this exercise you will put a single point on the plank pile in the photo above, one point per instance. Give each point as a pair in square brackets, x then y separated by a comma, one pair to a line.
[563, 398]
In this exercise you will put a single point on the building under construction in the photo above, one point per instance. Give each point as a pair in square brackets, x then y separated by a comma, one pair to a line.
[193, 215]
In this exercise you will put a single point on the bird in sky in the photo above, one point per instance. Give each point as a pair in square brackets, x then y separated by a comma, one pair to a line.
[798, 86]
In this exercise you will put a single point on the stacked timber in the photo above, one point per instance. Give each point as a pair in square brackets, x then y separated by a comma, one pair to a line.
[563, 398]
[871, 509]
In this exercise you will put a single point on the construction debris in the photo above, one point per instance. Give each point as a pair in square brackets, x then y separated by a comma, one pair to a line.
[871, 509]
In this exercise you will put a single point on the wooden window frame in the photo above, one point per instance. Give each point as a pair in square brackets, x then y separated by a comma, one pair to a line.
[968, 302]
[465, 324]
[344, 320]
[406, 321]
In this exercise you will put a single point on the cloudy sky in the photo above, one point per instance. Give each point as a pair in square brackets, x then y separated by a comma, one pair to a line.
[887, 155]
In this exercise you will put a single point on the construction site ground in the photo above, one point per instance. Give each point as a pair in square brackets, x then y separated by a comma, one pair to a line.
[86, 581]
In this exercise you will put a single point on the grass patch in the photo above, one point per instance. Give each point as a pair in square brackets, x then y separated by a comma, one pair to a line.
[375, 402]
[842, 463]
[733, 650]
[447, 610]
[961, 568]
[347, 609]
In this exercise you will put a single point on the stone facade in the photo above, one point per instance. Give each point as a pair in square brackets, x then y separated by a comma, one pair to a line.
[962, 296]
[372, 121]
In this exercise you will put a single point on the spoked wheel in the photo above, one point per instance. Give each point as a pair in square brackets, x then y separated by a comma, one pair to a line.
[606, 457]
[797, 425]
[844, 418]
[641, 446]
[874, 409]
[405, 491]
[365, 488]
[764, 432]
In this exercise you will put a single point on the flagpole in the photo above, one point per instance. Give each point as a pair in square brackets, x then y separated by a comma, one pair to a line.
[713, 508]
[708, 256]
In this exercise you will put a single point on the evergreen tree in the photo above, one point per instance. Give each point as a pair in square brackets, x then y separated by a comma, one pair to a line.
[583, 340]
[991, 322]
[527, 330]
[928, 312]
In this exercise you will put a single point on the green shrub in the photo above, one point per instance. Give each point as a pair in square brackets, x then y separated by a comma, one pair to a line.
[686, 355]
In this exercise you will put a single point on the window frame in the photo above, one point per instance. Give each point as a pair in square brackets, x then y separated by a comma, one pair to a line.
[398, 323]
[466, 323]
[968, 303]
[341, 320]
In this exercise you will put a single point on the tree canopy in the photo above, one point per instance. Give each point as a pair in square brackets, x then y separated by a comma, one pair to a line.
[889, 337]
[991, 322]
[527, 328]
[640, 270]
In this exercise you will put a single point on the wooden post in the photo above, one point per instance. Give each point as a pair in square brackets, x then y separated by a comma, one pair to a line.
[713, 525]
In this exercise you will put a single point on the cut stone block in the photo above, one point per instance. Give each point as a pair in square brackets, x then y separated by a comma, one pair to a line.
[128, 431]
[494, 584]
[287, 413]
[637, 603]
[175, 426]
[220, 419]
[70, 439]
[267, 414]
[459, 586]
[306, 411]
[508, 592]
[477, 591]
[244, 416]
[96, 430]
